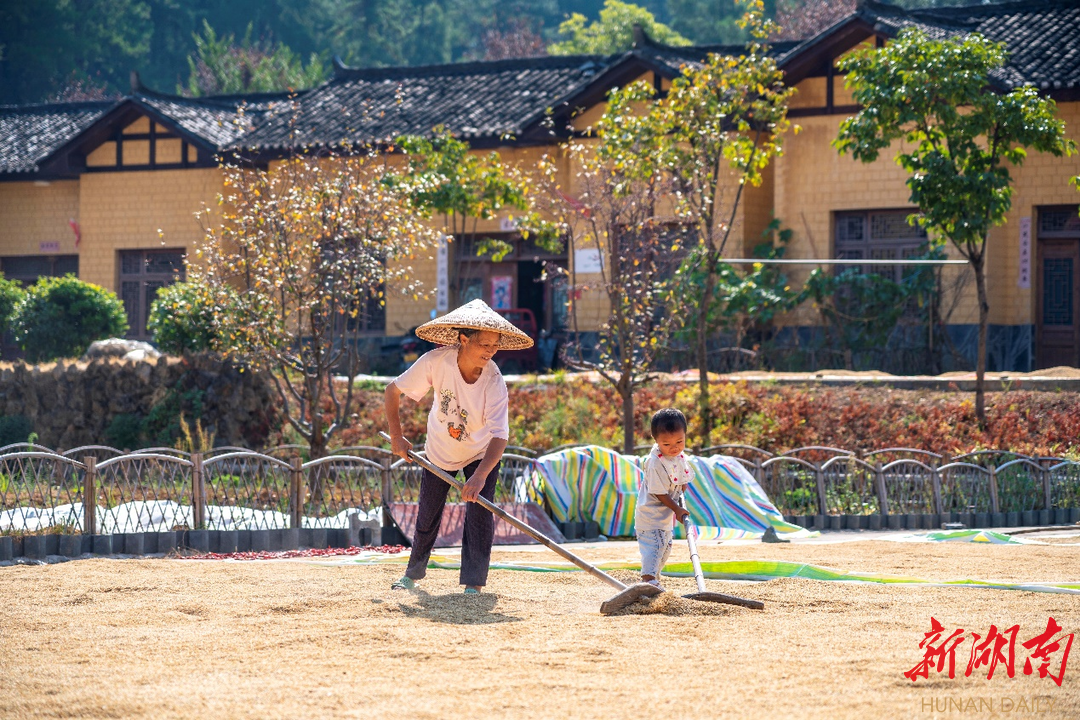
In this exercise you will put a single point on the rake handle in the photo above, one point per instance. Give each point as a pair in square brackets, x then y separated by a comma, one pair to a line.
[691, 533]
[519, 524]
[691, 540]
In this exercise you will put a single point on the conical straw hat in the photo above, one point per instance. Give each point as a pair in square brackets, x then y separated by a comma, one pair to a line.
[477, 315]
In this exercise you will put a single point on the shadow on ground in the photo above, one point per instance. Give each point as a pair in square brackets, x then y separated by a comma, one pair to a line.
[456, 609]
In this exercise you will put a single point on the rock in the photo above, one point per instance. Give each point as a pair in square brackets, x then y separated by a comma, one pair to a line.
[119, 347]
[142, 355]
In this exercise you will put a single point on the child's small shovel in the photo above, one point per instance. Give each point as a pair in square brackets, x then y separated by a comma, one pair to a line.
[702, 593]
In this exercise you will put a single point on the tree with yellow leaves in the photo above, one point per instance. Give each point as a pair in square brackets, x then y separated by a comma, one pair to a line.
[300, 255]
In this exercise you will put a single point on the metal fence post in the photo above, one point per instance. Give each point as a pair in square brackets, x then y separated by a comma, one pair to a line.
[296, 492]
[198, 493]
[819, 477]
[936, 481]
[90, 496]
[1046, 487]
[387, 492]
[994, 508]
[879, 485]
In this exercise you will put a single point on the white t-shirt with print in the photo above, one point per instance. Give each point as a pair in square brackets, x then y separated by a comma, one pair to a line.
[464, 418]
[662, 476]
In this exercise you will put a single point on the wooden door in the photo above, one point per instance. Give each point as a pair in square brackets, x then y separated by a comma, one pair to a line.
[1058, 302]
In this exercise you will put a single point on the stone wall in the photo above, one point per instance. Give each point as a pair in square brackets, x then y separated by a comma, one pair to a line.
[73, 403]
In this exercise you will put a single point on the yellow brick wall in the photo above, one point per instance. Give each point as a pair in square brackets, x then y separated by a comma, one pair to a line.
[128, 210]
[810, 93]
[1042, 180]
[812, 182]
[102, 156]
[142, 125]
[33, 213]
[403, 311]
[755, 213]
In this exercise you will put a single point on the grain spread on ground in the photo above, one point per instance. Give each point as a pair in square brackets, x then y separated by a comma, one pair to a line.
[158, 638]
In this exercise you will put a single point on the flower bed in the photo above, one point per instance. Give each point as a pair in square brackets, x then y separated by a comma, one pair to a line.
[773, 417]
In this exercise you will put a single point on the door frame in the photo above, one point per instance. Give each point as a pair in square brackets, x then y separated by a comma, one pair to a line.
[1067, 239]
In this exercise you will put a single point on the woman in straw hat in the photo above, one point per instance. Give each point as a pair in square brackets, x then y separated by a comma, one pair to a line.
[467, 429]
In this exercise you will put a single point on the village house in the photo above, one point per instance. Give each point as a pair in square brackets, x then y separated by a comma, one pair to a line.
[108, 190]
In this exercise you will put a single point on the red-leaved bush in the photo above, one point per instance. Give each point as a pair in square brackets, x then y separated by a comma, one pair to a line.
[772, 417]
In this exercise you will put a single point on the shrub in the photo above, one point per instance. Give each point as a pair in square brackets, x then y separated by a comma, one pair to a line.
[11, 294]
[60, 317]
[125, 432]
[14, 429]
[182, 319]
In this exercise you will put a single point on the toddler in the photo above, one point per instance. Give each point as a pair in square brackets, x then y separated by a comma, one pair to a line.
[667, 473]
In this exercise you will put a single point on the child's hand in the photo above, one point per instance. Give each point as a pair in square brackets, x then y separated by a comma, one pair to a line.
[683, 515]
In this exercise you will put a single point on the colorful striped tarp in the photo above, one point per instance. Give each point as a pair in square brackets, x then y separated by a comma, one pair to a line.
[597, 484]
[745, 570]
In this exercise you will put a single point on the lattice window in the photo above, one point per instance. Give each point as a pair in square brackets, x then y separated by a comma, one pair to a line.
[142, 274]
[28, 268]
[1059, 222]
[878, 235]
[1058, 291]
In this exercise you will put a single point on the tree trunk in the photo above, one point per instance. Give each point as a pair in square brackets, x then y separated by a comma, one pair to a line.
[980, 359]
[627, 394]
[704, 408]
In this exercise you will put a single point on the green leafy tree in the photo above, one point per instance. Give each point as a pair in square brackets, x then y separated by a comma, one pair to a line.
[221, 67]
[11, 294]
[61, 316]
[444, 178]
[722, 124]
[744, 301]
[49, 43]
[183, 320]
[617, 186]
[707, 22]
[300, 255]
[861, 309]
[959, 138]
[613, 32]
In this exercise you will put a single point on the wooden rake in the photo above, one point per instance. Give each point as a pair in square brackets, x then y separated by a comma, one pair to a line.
[702, 593]
[627, 594]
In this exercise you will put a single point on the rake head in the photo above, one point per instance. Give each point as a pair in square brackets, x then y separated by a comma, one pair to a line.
[726, 599]
[630, 595]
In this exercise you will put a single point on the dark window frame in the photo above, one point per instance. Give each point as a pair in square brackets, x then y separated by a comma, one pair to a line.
[136, 274]
[11, 273]
[872, 235]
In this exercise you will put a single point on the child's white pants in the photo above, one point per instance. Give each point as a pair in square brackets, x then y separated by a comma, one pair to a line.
[655, 546]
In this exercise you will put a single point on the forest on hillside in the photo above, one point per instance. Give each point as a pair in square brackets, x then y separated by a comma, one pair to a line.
[86, 49]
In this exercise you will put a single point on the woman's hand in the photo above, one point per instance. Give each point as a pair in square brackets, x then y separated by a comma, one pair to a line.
[471, 490]
[400, 447]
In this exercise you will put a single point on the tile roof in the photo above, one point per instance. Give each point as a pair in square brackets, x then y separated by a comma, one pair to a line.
[477, 101]
[29, 133]
[1042, 36]
[694, 55]
[484, 102]
[219, 121]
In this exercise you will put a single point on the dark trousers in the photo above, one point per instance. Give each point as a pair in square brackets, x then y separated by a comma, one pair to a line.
[479, 527]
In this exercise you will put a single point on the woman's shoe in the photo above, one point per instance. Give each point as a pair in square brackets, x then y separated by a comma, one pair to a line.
[405, 583]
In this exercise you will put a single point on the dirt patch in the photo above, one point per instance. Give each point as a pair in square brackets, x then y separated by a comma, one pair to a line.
[296, 639]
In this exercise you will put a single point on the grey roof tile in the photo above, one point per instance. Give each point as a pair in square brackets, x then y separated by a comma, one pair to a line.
[485, 100]
[29, 133]
[220, 120]
[1042, 36]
